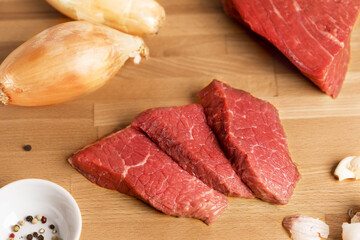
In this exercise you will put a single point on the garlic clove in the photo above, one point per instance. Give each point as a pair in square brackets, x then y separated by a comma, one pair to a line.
[306, 228]
[65, 62]
[136, 17]
[348, 168]
[351, 231]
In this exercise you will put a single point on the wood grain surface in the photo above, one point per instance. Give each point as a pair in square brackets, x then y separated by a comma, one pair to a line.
[198, 43]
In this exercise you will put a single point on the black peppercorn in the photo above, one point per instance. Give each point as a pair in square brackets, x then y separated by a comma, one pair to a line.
[52, 226]
[35, 234]
[27, 148]
[41, 237]
[29, 218]
[29, 237]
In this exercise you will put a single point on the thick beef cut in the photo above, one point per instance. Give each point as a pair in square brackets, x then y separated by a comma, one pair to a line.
[251, 134]
[182, 132]
[313, 34]
[131, 163]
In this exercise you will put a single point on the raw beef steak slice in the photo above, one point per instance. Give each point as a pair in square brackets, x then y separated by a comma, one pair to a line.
[182, 132]
[251, 134]
[313, 35]
[131, 163]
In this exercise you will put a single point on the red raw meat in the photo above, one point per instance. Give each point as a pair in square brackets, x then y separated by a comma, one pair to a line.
[131, 163]
[250, 131]
[313, 34]
[182, 132]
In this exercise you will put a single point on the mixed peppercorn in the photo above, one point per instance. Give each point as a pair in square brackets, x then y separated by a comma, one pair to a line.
[27, 148]
[35, 235]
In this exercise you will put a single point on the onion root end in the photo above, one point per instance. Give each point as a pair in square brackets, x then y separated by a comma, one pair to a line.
[3, 98]
[143, 51]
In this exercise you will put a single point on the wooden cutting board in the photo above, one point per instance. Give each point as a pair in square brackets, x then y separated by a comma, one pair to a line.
[198, 43]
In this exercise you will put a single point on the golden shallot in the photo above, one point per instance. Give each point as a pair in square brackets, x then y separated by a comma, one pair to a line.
[136, 17]
[65, 62]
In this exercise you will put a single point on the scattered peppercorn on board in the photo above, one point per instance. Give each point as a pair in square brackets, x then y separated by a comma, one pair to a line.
[198, 43]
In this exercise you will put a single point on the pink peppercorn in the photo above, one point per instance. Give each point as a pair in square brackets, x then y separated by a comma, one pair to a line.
[12, 235]
[43, 219]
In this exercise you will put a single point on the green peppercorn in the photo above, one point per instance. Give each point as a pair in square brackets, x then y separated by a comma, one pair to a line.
[16, 228]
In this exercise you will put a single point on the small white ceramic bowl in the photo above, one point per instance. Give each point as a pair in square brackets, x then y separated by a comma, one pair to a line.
[34, 196]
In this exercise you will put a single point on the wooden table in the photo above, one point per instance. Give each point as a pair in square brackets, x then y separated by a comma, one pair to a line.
[198, 43]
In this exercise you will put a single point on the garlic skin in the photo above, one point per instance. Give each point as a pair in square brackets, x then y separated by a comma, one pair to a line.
[306, 228]
[356, 218]
[137, 17]
[65, 62]
[351, 231]
[348, 168]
